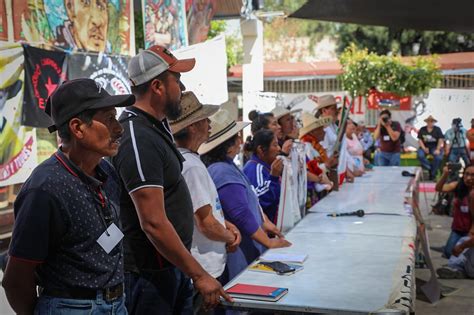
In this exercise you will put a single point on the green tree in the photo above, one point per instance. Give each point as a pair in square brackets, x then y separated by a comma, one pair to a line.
[234, 46]
[364, 70]
[383, 40]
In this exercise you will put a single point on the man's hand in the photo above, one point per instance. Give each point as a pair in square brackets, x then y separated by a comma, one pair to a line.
[437, 152]
[333, 160]
[211, 290]
[232, 247]
[458, 249]
[445, 171]
[286, 147]
[271, 229]
[279, 243]
[427, 151]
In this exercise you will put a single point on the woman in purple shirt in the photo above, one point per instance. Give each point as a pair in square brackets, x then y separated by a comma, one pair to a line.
[238, 199]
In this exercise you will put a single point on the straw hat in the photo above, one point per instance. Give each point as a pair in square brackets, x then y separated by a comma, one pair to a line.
[191, 111]
[310, 123]
[430, 117]
[325, 101]
[280, 111]
[222, 128]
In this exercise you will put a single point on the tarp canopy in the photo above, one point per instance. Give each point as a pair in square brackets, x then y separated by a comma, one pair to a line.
[441, 15]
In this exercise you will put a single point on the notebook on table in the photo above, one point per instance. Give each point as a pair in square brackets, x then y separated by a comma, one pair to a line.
[256, 292]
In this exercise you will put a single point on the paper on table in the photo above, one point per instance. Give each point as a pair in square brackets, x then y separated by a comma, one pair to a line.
[291, 258]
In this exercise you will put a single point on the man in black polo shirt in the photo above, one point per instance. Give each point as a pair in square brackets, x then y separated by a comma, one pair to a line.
[156, 207]
[66, 237]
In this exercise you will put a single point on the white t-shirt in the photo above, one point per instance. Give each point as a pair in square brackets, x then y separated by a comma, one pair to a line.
[330, 139]
[210, 254]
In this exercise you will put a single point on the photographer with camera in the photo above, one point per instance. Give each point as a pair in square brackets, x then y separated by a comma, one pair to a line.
[388, 133]
[470, 138]
[461, 239]
[461, 188]
[430, 139]
[456, 143]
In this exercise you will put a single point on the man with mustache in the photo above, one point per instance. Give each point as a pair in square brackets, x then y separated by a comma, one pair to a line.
[88, 23]
[156, 207]
[67, 237]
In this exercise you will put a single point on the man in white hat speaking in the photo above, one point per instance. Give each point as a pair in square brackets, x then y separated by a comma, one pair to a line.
[430, 139]
[213, 236]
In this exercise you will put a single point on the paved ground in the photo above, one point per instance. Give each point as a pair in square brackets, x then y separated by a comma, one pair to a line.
[460, 303]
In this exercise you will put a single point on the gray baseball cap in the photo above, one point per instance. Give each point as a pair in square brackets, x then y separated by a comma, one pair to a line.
[151, 62]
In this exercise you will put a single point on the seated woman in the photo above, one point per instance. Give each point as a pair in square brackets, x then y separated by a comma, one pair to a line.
[462, 217]
[239, 201]
[264, 170]
[354, 148]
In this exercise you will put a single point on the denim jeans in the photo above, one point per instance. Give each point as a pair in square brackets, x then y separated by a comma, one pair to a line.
[168, 291]
[387, 158]
[458, 153]
[47, 305]
[434, 165]
[453, 238]
[465, 261]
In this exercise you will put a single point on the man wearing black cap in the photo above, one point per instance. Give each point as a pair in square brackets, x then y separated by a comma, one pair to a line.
[67, 239]
[156, 207]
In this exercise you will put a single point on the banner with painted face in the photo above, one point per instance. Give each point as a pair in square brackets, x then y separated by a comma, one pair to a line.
[44, 71]
[17, 142]
[3, 22]
[92, 25]
[109, 71]
[165, 23]
[199, 19]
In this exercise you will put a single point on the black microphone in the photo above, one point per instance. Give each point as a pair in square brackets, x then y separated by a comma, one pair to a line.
[359, 213]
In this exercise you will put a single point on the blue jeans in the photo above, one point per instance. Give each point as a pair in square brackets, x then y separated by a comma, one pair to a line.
[167, 291]
[458, 153]
[434, 165]
[387, 158]
[465, 261]
[54, 305]
[453, 238]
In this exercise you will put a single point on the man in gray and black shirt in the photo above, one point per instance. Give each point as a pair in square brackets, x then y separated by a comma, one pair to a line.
[67, 237]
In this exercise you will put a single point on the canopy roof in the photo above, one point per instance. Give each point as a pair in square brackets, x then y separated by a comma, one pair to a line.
[441, 15]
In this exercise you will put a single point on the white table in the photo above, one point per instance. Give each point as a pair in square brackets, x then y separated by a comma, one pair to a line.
[355, 265]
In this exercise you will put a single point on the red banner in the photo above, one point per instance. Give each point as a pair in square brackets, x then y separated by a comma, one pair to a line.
[378, 99]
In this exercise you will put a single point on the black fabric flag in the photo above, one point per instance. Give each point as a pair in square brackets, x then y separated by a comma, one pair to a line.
[109, 71]
[44, 71]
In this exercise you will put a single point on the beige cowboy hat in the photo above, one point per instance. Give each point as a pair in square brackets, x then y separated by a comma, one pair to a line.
[280, 111]
[223, 127]
[430, 117]
[325, 101]
[191, 111]
[310, 123]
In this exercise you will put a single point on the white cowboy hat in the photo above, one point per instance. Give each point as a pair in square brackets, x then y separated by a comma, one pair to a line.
[280, 111]
[310, 123]
[325, 101]
[222, 129]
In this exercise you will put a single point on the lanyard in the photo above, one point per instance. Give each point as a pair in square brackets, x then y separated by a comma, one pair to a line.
[99, 197]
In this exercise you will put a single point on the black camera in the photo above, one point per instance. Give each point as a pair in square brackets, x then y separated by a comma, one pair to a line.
[385, 119]
[454, 167]
[457, 123]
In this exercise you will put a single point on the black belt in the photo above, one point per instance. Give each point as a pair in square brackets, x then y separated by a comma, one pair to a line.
[108, 294]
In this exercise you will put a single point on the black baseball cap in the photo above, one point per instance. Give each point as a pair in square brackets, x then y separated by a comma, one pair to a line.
[78, 95]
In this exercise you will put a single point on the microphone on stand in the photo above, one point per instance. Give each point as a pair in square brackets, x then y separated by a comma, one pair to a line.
[359, 213]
